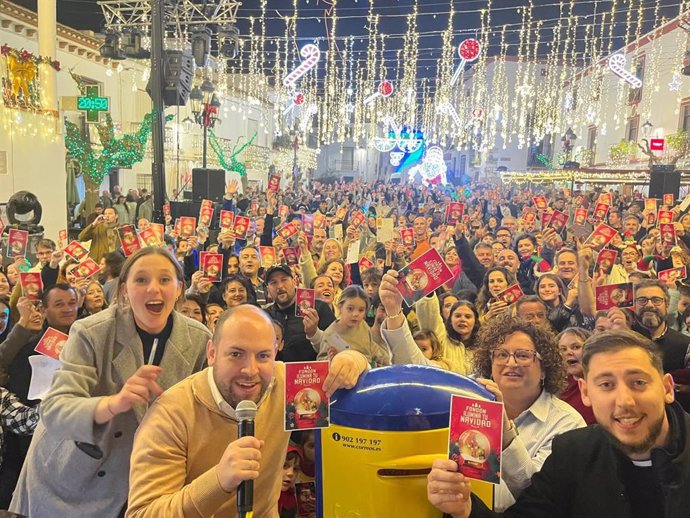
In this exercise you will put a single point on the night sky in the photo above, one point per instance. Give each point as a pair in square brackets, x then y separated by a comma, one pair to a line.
[432, 19]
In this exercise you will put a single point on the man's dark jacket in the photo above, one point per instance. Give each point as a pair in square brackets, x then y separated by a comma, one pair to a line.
[582, 478]
[297, 347]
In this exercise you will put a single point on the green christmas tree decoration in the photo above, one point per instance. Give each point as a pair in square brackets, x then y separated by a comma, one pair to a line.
[123, 152]
[234, 164]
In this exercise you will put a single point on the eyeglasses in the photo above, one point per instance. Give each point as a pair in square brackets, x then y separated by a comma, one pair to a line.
[657, 301]
[521, 356]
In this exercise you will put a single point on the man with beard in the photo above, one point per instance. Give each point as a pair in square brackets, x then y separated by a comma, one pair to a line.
[634, 463]
[509, 260]
[281, 288]
[651, 311]
[179, 468]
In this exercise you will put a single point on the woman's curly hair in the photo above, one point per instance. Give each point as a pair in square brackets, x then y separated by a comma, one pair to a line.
[494, 332]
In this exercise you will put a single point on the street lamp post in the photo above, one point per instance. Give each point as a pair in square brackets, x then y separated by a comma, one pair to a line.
[647, 128]
[205, 105]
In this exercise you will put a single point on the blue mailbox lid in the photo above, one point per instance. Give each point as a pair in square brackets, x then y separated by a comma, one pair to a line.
[402, 398]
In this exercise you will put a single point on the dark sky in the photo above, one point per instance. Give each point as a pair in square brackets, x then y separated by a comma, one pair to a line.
[432, 19]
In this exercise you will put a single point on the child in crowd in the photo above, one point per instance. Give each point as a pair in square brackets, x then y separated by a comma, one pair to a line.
[287, 504]
[306, 441]
[350, 331]
[428, 343]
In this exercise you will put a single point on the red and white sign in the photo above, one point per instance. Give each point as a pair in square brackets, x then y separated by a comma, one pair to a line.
[657, 144]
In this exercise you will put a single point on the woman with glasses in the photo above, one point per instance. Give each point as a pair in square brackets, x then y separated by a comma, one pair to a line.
[520, 364]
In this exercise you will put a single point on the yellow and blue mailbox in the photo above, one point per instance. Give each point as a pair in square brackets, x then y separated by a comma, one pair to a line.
[384, 435]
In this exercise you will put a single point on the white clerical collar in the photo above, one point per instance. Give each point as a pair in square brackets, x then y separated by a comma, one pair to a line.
[643, 463]
[223, 405]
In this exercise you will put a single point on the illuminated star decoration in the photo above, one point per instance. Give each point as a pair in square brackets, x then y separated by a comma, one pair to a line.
[675, 83]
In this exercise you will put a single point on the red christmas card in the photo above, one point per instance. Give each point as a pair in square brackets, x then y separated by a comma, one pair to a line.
[241, 227]
[187, 226]
[320, 221]
[364, 264]
[667, 232]
[340, 213]
[306, 403]
[650, 205]
[665, 216]
[605, 261]
[159, 229]
[288, 230]
[86, 269]
[357, 219]
[422, 276]
[606, 198]
[283, 212]
[268, 256]
[558, 220]
[227, 218]
[540, 202]
[511, 295]
[17, 241]
[51, 343]
[529, 217]
[580, 216]
[475, 437]
[290, 254]
[150, 237]
[206, 214]
[304, 299]
[600, 212]
[672, 275]
[32, 285]
[129, 239]
[454, 212]
[669, 200]
[212, 266]
[614, 295]
[76, 251]
[600, 237]
[166, 208]
[274, 183]
[308, 224]
[407, 236]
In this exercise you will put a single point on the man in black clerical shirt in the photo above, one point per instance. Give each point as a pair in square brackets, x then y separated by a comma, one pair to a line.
[634, 463]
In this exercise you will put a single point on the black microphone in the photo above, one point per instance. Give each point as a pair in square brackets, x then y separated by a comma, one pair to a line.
[246, 412]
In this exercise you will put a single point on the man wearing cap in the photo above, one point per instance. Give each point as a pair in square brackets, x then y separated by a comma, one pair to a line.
[281, 288]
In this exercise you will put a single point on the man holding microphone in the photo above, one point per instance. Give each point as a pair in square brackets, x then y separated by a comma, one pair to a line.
[187, 458]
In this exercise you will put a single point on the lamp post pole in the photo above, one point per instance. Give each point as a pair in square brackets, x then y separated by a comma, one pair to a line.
[158, 116]
[205, 148]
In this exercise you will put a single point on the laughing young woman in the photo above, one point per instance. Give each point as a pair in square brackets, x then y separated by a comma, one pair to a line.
[113, 365]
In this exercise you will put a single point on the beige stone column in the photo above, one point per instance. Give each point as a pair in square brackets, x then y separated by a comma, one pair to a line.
[47, 46]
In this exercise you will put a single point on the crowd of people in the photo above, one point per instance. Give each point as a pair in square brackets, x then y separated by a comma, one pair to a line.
[157, 325]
